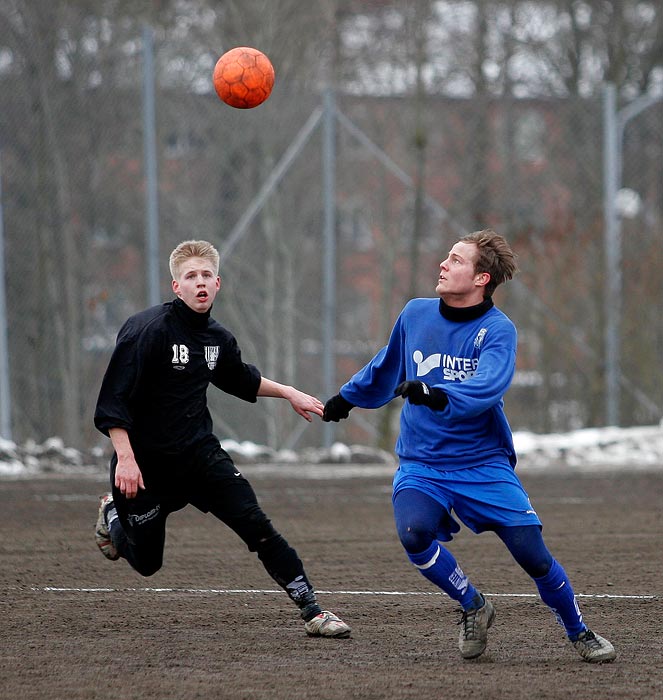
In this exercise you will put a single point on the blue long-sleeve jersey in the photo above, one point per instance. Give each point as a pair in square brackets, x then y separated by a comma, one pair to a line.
[472, 359]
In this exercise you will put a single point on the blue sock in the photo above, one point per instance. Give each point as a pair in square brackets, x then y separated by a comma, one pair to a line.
[439, 566]
[557, 593]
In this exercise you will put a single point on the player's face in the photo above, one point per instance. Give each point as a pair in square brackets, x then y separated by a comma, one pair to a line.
[458, 283]
[197, 284]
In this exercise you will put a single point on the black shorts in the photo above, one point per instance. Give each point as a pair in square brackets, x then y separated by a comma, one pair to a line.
[206, 478]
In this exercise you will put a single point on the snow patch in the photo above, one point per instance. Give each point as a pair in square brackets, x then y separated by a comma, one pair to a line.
[591, 449]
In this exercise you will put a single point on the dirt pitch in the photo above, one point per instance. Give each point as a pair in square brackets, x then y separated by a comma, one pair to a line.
[75, 625]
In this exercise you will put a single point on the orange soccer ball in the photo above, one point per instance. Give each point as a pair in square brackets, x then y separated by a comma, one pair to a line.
[243, 77]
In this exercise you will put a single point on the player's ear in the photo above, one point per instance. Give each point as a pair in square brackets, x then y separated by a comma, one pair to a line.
[482, 279]
[218, 282]
[176, 287]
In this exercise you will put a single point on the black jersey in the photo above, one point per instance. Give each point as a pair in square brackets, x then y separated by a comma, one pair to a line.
[156, 383]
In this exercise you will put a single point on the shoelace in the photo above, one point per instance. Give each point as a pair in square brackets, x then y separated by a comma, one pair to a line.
[590, 640]
[468, 620]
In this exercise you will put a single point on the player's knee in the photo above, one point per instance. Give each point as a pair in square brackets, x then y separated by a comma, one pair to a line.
[147, 567]
[414, 538]
[539, 566]
[528, 549]
[256, 529]
[271, 549]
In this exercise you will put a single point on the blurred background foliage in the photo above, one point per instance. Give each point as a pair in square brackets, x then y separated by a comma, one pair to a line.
[451, 116]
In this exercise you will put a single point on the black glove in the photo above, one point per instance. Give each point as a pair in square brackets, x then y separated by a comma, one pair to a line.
[422, 395]
[336, 408]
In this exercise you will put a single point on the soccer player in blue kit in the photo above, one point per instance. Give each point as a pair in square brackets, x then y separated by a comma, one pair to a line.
[153, 406]
[452, 359]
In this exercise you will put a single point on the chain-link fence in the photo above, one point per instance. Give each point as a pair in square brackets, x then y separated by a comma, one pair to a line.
[410, 177]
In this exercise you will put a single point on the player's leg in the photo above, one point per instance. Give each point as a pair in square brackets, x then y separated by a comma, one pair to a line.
[419, 519]
[228, 495]
[102, 536]
[526, 545]
[135, 528]
[139, 531]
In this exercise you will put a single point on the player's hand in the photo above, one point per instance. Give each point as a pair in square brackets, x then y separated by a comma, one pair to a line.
[336, 408]
[421, 394]
[128, 477]
[304, 404]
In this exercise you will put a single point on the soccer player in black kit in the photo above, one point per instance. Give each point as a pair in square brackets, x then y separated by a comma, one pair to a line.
[153, 406]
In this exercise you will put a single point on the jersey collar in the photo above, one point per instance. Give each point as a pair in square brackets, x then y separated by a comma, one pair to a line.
[192, 318]
[465, 313]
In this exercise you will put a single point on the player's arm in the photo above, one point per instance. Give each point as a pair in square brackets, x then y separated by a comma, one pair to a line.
[373, 385]
[302, 403]
[122, 379]
[128, 477]
[492, 378]
[232, 374]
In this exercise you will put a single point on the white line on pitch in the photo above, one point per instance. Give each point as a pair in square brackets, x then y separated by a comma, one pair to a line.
[269, 591]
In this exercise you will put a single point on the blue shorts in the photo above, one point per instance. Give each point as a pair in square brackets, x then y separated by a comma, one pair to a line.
[482, 498]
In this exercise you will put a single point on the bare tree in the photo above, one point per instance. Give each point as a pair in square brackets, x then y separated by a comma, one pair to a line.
[492, 108]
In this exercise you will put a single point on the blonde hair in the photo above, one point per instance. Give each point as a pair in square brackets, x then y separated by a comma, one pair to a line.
[193, 249]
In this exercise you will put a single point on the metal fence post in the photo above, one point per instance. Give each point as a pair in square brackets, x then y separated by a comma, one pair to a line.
[5, 390]
[613, 286]
[614, 123]
[150, 155]
[329, 253]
